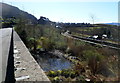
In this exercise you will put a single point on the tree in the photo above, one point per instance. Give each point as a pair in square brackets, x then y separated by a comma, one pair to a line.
[93, 18]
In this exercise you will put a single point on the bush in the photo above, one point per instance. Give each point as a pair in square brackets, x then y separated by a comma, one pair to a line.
[65, 73]
[56, 79]
[46, 44]
[79, 68]
[72, 74]
[59, 72]
[95, 60]
[52, 73]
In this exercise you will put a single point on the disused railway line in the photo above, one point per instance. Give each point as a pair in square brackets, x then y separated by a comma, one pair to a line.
[95, 41]
[98, 41]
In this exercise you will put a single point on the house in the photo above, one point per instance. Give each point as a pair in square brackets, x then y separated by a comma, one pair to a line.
[95, 36]
[104, 36]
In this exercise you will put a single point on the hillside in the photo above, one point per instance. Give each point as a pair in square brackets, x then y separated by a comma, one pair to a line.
[11, 11]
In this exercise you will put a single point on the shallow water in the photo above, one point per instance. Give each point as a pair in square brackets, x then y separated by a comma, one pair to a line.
[52, 62]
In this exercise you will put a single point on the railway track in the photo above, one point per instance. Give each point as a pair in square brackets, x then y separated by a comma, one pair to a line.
[95, 41]
[98, 41]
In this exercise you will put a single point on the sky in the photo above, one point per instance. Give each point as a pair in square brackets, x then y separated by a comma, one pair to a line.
[77, 11]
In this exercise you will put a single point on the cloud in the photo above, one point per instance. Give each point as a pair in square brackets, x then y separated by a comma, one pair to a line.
[60, 0]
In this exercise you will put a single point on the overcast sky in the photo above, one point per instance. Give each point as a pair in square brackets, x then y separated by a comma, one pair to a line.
[104, 11]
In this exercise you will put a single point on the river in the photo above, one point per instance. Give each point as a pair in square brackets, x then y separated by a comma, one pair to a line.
[53, 61]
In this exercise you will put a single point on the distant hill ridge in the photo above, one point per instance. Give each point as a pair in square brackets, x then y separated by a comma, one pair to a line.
[11, 11]
[113, 23]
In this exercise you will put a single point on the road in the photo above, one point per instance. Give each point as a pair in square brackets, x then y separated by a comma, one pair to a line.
[5, 36]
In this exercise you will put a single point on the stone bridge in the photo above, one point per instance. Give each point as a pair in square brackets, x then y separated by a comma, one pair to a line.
[16, 62]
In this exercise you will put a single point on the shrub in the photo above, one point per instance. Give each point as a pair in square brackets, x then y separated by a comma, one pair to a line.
[79, 68]
[46, 43]
[59, 72]
[52, 73]
[72, 74]
[56, 78]
[65, 73]
[95, 60]
[32, 43]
